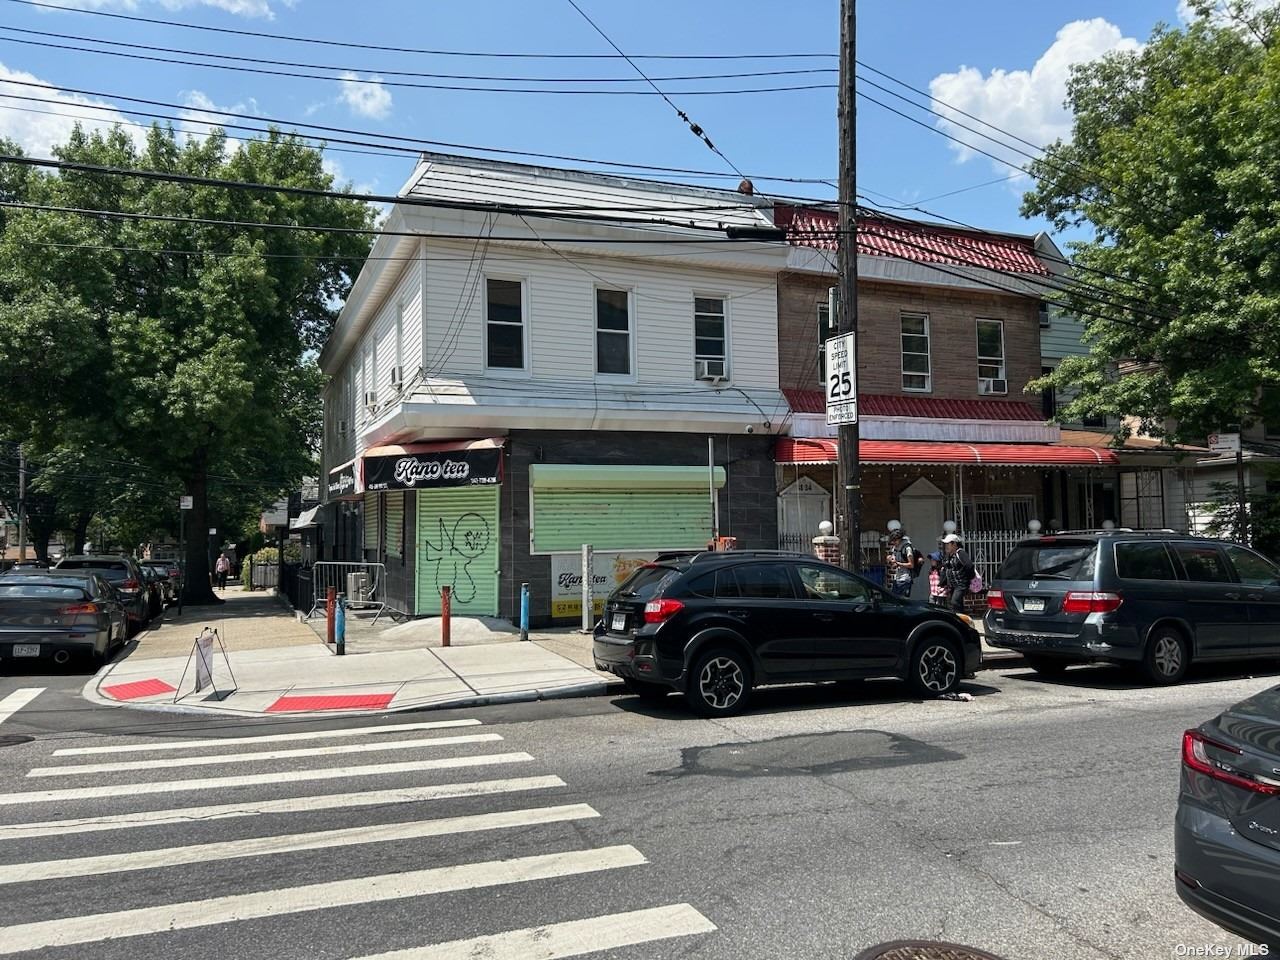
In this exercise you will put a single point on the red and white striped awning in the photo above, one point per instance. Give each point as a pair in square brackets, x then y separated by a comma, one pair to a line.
[817, 450]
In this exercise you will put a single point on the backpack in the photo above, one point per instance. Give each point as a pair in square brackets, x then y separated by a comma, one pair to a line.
[919, 559]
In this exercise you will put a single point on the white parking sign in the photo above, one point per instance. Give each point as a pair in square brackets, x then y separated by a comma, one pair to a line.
[842, 380]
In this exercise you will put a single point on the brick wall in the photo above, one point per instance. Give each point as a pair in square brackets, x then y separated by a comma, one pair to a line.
[953, 339]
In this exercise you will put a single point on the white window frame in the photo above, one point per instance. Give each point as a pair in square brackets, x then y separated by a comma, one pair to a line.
[1000, 362]
[903, 352]
[724, 316]
[524, 371]
[629, 377]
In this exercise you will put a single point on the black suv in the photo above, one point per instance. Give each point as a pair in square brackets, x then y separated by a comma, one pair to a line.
[1158, 600]
[715, 625]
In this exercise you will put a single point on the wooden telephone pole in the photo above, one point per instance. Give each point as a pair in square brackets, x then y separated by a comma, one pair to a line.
[849, 476]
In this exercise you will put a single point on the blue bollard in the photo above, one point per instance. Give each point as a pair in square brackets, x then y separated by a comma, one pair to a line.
[340, 627]
[524, 611]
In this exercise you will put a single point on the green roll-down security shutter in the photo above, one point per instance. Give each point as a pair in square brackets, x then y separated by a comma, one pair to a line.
[457, 544]
[372, 522]
[393, 523]
[621, 508]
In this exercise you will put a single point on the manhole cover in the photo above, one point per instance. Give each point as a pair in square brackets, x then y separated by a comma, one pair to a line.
[923, 950]
[13, 739]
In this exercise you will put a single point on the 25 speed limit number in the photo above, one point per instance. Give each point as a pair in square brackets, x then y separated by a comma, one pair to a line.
[842, 380]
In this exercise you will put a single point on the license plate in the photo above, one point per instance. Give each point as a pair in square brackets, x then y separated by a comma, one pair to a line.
[619, 622]
[26, 649]
[1033, 605]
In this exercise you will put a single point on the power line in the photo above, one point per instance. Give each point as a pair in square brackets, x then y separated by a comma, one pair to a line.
[212, 55]
[151, 58]
[694, 128]
[435, 53]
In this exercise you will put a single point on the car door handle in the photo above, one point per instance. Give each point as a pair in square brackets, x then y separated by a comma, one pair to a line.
[740, 614]
[1232, 596]
[1254, 596]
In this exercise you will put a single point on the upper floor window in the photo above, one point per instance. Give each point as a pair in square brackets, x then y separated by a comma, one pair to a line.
[504, 324]
[991, 369]
[613, 332]
[915, 352]
[825, 331]
[710, 338]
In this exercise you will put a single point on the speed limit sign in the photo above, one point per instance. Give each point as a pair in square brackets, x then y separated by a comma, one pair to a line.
[842, 380]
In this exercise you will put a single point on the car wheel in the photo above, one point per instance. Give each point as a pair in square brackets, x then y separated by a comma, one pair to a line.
[936, 667]
[1166, 658]
[719, 685]
[1048, 666]
[649, 692]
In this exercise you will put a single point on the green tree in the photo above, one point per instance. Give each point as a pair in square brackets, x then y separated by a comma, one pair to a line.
[1173, 168]
[185, 346]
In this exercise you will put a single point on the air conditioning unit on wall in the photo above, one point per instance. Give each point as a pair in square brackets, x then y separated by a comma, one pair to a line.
[371, 400]
[397, 379]
[712, 371]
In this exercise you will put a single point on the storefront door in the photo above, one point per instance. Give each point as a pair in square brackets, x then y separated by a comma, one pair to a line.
[457, 546]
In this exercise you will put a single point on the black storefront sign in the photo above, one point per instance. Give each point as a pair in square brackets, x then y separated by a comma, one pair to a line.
[446, 468]
[342, 481]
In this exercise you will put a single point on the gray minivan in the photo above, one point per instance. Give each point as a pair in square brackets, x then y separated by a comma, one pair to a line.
[1156, 599]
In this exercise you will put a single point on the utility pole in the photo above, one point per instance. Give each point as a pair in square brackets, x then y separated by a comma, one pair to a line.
[22, 504]
[847, 269]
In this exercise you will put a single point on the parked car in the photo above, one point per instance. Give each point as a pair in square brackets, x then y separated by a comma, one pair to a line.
[124, 574]
[58, 614]
[1227, 832]
[172, 574]
[713, 626]
[1157, 600]
[157, 582]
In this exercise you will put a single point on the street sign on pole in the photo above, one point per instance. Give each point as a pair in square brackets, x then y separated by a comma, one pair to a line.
[1224, 442]
[842, 379]
[186, 503]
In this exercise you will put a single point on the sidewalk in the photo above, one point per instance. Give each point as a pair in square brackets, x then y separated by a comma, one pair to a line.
[281, 666]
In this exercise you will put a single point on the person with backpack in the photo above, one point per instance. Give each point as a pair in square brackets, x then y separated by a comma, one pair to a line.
[958, 571]
[903, 562]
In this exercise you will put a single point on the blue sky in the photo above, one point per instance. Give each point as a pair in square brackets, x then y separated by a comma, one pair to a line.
[999, 59]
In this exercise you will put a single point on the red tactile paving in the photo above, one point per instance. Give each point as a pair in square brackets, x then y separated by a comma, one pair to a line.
[138, 688]
[361, 701]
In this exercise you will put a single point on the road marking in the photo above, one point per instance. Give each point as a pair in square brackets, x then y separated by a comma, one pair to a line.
[380, 888]
[249, 808]
[216, 758]
[288, 843]
[256, 779]
[17, 700]
[570, 939]
[269, 738]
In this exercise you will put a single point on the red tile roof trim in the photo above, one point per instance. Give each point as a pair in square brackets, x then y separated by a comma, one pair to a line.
[925, 408]
[919, 242]
[803, 450]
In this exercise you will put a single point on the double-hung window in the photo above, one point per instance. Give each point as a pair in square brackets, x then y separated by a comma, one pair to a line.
[991, 370]
[710, 339]
[916, 372]
[504, 325]
[613, 332]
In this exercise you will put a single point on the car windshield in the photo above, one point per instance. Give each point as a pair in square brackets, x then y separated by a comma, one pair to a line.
[646, 582]
[1051, 560]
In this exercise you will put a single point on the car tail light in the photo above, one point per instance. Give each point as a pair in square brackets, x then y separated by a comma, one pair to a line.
[995, 600]
[76, 608]
[660, 611]
[1084, 602]
[1195, 754]
[129, 585]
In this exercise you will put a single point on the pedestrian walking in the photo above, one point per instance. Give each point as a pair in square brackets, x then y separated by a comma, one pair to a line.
[902, 562]
[222, 568]
[937, 585]
[957, 571]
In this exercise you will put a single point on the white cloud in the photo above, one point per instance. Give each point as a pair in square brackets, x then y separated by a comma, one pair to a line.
[241, 8]
[366, 96]
[39, 133]
[1028, 103]
[201, 115]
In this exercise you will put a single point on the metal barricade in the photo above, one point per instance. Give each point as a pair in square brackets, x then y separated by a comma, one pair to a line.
[264, 576]
[362, 584]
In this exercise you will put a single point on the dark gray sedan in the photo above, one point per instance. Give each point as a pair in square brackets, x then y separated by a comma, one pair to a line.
[1227, 838]
[44, 615]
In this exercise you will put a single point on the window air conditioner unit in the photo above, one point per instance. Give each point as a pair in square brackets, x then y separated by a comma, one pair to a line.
[397, 379]
[342, 428]
[987, 386]
[371, 399]
[712, 371]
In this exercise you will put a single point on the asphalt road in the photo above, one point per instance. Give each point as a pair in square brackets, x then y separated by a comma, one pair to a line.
[1033, 821]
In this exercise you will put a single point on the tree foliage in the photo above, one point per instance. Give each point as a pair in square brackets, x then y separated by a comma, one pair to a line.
[1174, 167]
[186, 347]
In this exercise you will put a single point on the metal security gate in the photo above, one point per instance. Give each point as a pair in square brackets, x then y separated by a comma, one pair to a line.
[457, 543]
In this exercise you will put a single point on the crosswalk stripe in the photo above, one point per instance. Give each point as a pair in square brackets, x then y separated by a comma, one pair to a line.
[223, 811]
[211, 759]
[288, 843]
[17, 700]
[257, 779]
[266, 738]
[379, 888]
[572, 938]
